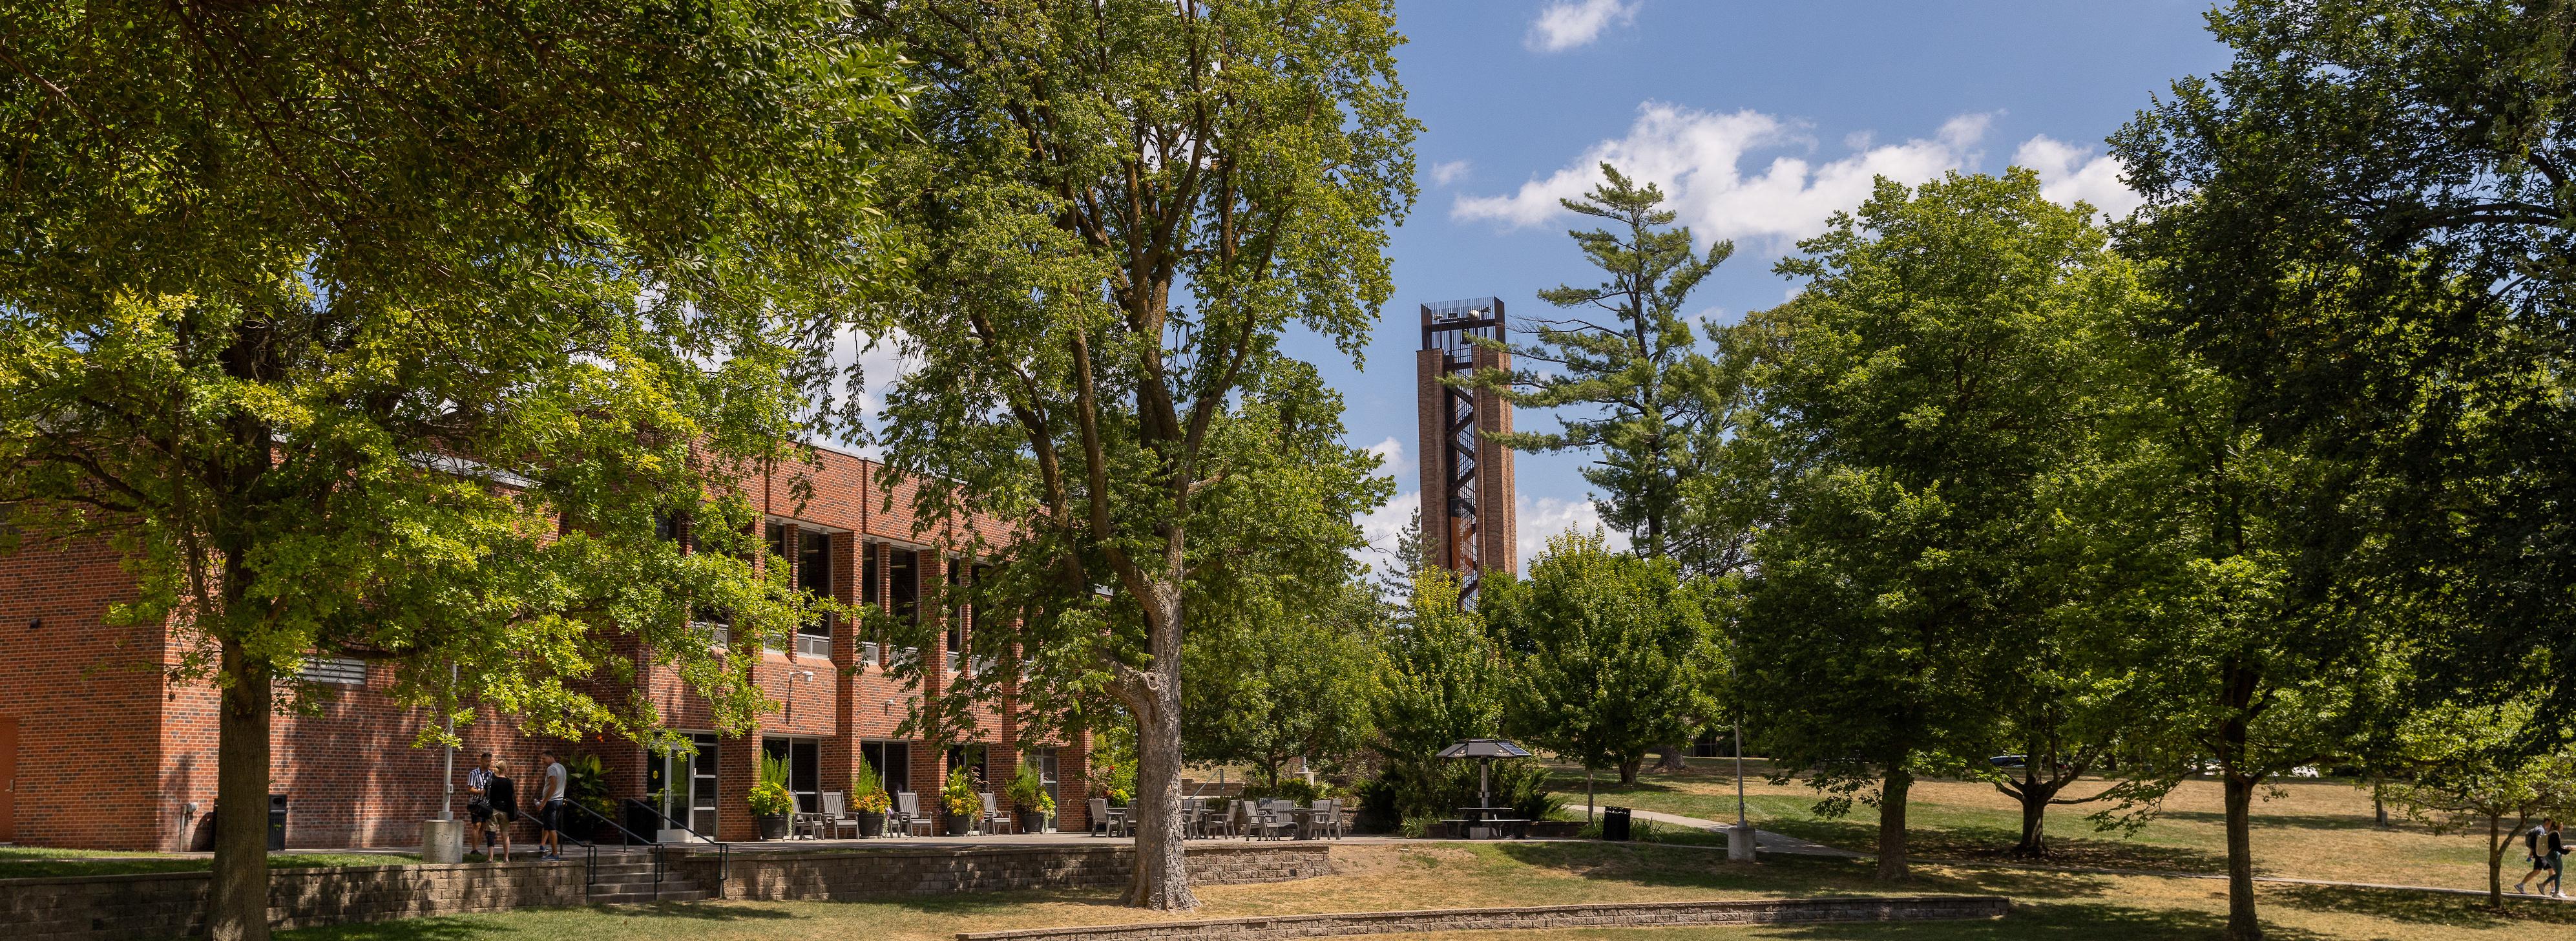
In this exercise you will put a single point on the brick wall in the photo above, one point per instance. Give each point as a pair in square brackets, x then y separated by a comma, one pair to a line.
[111, 755]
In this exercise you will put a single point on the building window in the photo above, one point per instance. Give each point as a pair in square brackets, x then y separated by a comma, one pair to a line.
[893, 761]
[956, 599]
[804, 768]
[868, 594]
[1044, 758]
[903, 581]
[343, 671]
[814, 576]
[976, 758]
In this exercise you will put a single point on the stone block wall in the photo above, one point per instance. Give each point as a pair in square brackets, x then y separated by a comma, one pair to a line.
[1534, 918]
[892, 873]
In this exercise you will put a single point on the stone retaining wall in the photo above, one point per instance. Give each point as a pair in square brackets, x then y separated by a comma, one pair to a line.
[164, 905]
[889, 873]
[1634, 914]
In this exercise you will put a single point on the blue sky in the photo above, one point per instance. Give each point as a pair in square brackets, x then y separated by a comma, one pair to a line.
[1759, 118]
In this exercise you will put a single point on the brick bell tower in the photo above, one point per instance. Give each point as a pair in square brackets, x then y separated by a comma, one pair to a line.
[1467, 509]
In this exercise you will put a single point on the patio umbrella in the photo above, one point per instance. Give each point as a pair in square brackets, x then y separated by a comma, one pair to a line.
[1485, 750]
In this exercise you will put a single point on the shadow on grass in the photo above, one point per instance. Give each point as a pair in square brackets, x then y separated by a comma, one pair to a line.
[2422, 908]
[971, 903]
[2093, 921]
[1787, 876]
[675, 916]
[1994, 844]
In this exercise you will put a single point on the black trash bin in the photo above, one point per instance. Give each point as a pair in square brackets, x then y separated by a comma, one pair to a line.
[1614, 823]
[276, 822]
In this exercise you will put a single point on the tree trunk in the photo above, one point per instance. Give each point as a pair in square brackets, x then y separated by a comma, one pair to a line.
[1891, 825]
[1628, 768]
[237, 905]
[2241, 923]
[1162, 875]
[2034, 822]
[2496, 842]
[1671, 758]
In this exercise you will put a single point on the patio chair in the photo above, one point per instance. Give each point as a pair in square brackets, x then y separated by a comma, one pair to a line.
[1104, 821]
[1328, 818]
[836, 814]
[992, 818]
[1269, 821]
[907, 814]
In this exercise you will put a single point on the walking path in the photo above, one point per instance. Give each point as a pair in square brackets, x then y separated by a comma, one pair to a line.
[1763, 840]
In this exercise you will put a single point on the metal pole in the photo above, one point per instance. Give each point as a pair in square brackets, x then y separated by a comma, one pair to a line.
[447, 775]
[1740, 844]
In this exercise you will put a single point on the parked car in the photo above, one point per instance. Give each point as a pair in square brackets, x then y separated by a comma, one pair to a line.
[2306, 771]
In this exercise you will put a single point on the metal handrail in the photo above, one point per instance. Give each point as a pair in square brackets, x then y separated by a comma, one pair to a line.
[590, 850]
[723, 849]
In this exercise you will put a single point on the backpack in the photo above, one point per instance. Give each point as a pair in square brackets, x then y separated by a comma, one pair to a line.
[2531, 839]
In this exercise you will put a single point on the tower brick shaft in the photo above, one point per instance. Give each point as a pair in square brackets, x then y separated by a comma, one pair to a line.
[1468, 517]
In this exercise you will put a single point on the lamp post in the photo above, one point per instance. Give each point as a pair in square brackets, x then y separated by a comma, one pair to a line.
[1739, 845]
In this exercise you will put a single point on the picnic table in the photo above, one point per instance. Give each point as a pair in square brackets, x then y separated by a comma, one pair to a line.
[1498, 820]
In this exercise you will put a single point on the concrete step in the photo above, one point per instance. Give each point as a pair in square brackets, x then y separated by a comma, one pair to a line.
[646, 897]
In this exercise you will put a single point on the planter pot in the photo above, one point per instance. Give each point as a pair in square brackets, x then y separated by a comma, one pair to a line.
[1032, 822]
[871, 824]
[958, 824]
[772, 826]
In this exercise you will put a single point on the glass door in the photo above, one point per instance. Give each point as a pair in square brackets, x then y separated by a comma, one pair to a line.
[700, 771]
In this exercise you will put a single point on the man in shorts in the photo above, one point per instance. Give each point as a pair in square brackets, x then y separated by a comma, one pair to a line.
[2532, 842]
[550, 807]
[478, 800]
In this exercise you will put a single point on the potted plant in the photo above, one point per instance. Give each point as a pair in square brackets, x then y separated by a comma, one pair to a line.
[586, 784]
[1029, 795]
[959, 800]
[771, 803]
[869, 800]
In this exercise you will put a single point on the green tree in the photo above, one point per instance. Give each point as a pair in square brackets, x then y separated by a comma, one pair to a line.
[1439, 680]
[1936, 364]
[1286, 677]
[2367, 221]
[1635, 368]
[1120, 208]
[1611, 654]
[2470, 775]
[397, 329]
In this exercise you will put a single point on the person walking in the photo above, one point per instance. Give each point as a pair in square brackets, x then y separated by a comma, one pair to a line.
[550, 807]
[2556, 850]
[2532, 840]
[503, 795]
[478, 803]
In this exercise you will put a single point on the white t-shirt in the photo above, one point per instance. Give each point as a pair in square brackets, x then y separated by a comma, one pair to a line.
[554, 790]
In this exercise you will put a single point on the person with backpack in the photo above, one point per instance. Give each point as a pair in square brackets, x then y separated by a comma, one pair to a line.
[2531, 843]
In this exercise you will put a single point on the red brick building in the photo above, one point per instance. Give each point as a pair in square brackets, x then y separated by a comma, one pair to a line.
[100, 749]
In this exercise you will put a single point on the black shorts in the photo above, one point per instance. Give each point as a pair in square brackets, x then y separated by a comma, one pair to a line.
[2538, 864]
[479, 812]
[550, 816]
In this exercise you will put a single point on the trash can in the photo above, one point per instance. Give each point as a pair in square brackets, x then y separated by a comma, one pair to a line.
[276, 822]
[1614, 823]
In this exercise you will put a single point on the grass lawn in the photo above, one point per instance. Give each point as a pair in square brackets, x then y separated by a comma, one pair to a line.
[2314, 828]
[2048, 905]
[19, 862]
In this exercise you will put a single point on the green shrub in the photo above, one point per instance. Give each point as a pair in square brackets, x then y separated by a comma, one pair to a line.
[1435, 789]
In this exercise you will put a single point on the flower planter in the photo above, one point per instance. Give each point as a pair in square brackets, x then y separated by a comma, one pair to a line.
[1032, 822]
[772, 826]
[958, 824]
[871, 824]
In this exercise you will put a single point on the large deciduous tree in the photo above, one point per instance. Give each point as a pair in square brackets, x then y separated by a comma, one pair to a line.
[1120, 208]
[398, 330]
[1936, 365]
[2368, 221]
[1610, 654]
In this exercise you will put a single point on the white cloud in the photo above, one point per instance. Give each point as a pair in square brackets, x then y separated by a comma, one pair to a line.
[2067, 176]
[1543, 517]
[1566, 24]
[1391, 451]
[1383, 527]
[1443, 174]
[1711, 171]
[1698, 156]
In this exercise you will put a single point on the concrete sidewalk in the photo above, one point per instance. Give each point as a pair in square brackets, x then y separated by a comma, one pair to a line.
[1764, 841]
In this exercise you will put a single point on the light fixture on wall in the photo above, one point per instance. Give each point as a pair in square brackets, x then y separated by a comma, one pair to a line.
[792, 677]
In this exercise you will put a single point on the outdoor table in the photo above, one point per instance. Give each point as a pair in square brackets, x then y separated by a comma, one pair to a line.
[1305, 817]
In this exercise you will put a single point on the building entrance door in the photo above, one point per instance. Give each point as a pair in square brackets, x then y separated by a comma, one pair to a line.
[685, 784]
[8, 778]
